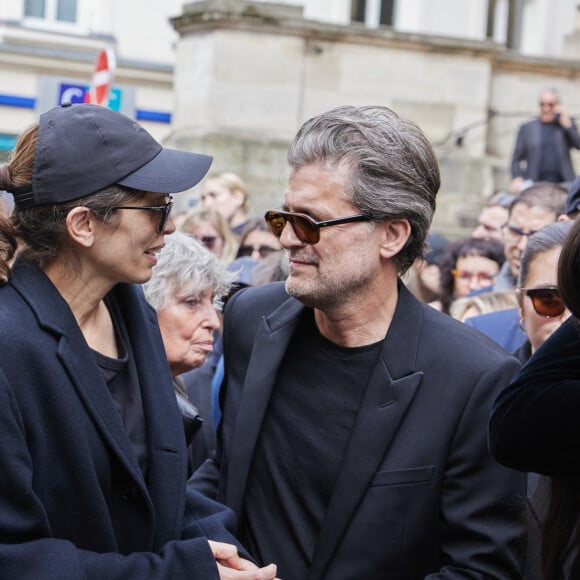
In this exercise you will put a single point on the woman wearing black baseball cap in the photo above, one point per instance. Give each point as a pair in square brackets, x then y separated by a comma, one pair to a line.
[92, 450]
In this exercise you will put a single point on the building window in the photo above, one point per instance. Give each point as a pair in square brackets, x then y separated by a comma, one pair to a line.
[387, 9]
[373, 13]
[51, 10]
[358, 10]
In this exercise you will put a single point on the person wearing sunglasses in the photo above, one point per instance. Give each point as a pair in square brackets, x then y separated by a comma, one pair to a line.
[353, 437]
[210, 228]
[534, 427]
[257, 240]
[468, 265]
[92, 445]
[537, 206]
[542, 148]
[540, 304]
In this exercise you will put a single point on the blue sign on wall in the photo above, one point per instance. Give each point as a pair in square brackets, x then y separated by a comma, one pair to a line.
[69, 93]
[7, 142]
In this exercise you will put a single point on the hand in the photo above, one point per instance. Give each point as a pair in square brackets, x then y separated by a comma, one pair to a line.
[232, 567]
[562, 116]
[516, 185]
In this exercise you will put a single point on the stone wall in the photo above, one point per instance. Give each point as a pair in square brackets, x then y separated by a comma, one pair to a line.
[248, 74]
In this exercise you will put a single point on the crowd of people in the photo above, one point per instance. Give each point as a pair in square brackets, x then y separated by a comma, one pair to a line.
[331, 391]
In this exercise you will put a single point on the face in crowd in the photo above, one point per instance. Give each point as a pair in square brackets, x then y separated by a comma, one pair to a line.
[523, 222]
[549, 106]
[216, 195]
[490, 222]
[541, 308]
[259, 244]
[473, 273]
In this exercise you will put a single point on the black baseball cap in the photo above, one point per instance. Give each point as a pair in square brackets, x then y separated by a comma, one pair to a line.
[83, 148]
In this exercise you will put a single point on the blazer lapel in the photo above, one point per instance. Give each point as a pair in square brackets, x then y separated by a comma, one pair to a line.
[389, 392]
[272, 337]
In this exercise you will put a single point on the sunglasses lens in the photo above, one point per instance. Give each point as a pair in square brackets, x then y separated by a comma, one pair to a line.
[166, 211]
[547, 302]
[305, 229]
[276, 222]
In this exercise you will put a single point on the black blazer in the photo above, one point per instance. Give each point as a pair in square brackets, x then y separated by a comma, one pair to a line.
[526, 159]
[418, 493]
[73, 501]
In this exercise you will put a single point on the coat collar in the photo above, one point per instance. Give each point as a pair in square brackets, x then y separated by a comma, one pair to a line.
[167, 457]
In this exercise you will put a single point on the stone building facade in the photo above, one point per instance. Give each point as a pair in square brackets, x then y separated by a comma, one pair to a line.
[247, 74]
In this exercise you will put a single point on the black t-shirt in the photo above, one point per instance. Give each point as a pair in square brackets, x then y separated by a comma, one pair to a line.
[549, 161]
[123, 381]
[303, 440]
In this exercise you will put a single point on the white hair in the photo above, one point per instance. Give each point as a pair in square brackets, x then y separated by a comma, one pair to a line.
[185, 267]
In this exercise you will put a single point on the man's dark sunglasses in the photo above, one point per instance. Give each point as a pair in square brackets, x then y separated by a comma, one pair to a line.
[546, 301]
[307, 230]
[165, 209]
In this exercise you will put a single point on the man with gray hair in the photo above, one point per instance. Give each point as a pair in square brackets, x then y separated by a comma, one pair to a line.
[542, 149]
[353, 439]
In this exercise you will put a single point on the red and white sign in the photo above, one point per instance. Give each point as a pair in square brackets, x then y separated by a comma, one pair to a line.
[102, 78]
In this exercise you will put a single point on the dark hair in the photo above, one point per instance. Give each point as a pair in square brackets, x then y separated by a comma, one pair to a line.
[393, 169]
[545, 239]
[569, 270]
[549, 196]
[491, 249]
[252, 225]
[42, 229]
[561, 529]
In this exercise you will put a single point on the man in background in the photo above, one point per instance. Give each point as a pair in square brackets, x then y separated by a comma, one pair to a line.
[492, 217]
[542, 150]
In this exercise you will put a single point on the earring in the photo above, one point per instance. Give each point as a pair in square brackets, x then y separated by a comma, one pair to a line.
[522, 324]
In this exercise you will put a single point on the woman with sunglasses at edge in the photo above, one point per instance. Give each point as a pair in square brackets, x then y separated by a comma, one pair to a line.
[540, 305]
[534, 424]
[92, 447]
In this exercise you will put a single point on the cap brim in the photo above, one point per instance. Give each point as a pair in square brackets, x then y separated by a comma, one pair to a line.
[170, 171]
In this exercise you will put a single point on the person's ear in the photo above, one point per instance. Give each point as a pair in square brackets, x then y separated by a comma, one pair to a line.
[240, 197]
[396, 233]
[80, 225]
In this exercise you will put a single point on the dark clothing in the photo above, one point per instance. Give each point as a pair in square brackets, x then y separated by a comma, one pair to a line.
[74, 502]
[316, 385]
[535, 500]
[524, 352]
[550, 162]
[534, 422]
[528, 160]
[197, 383]
[417, 494]
[534, 427]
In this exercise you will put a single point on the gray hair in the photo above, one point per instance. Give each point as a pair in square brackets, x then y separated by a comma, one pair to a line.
[547, 238]
[394, 169]
[184, 266]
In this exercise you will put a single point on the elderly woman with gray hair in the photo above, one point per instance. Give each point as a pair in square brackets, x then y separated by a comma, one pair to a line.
[185, 283]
